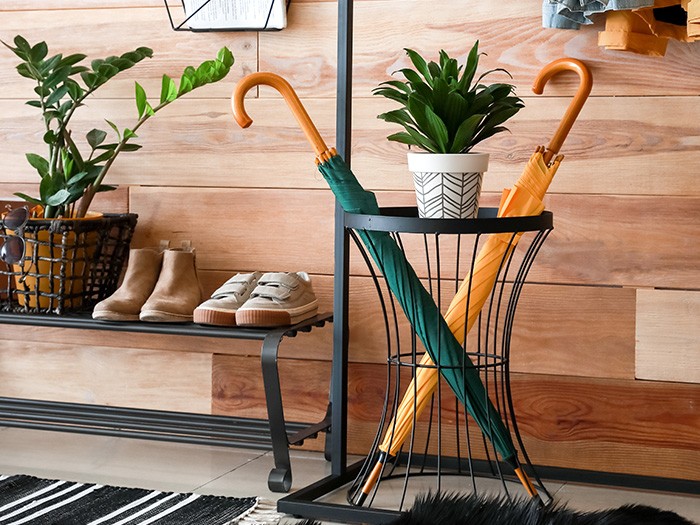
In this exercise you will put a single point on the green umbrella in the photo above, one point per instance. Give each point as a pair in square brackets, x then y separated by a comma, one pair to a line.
[417, 304]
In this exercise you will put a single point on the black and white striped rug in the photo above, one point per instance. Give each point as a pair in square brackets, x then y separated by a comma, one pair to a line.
[35, 501]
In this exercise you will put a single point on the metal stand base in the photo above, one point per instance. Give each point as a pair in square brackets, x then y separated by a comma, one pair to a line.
[307, 502]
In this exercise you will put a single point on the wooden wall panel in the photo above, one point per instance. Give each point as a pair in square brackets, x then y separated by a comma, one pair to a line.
[624, 201]
[600, 425]
[609, 240]
[668, 335]
[192, 142]
[311, 27]
[237, 387]
[196, 141]
[116, 376]
[552, 332]
[630, 147]
[509, 32]
[127, 29]
[242, 227]
[615, 245]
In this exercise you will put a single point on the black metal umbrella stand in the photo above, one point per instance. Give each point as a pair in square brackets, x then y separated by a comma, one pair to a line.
[445, 449]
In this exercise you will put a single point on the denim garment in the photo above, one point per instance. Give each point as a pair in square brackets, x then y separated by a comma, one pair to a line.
[571, 14]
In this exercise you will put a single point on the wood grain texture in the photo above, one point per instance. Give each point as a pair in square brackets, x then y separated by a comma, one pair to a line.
[625, 202]
[116, 376]
[250, 233]
[611, 240]
[237, 388]
[190, 143]
[668, 335]
[629, 147]
[627, 241]
[104, 32]
[510, 33]
[604, 425]
[552, 332]
[625, 149]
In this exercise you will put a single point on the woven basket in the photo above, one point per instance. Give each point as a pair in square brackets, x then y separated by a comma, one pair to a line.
[69, 264]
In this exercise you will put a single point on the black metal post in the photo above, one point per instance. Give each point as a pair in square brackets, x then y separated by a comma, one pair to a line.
[339, 374]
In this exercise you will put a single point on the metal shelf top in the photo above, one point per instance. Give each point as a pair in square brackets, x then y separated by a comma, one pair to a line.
[405, 219]
[83, 320]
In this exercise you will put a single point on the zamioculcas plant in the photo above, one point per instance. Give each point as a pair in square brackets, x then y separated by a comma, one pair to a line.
[444, 110]
[70, 179]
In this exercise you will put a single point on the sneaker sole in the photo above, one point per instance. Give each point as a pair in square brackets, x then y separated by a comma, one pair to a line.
[214, 317]
[270, 318]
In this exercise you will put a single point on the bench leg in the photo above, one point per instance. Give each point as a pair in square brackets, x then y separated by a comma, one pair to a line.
[280, 478]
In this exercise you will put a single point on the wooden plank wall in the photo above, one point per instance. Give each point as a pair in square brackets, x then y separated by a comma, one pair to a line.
[606, 376]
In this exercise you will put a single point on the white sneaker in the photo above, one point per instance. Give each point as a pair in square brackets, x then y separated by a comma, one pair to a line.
[221, 309]
[280, 299]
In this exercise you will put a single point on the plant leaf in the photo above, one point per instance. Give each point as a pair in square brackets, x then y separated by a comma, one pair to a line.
[59, 198]
[39, 52]
[114, 127]
[56, 96]
[168, 90]
[225, 57]
[404, 138]
[462, 141]
[141, 100]
[27, 198]
[39, 163]
[420, 65]
[75, 179]
[436, 129]
[95, 137]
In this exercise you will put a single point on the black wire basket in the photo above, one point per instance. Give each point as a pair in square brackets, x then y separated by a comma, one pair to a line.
[68, 264]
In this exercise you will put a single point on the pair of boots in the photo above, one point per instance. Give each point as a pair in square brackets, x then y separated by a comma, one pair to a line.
[159, 286]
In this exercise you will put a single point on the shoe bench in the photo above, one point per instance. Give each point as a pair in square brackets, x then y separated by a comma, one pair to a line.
[275, 433]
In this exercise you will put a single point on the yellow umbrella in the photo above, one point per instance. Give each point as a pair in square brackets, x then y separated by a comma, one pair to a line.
[523, 199]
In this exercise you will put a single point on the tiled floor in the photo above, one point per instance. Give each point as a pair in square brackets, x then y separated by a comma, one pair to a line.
[232, 472]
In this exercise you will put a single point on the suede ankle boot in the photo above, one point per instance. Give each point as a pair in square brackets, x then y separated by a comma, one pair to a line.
[177, 292]
[142, 271]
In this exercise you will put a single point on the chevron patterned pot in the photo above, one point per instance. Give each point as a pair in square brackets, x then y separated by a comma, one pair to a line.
[448, 185]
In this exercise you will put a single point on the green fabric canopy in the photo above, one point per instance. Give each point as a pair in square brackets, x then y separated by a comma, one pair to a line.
[420, 309]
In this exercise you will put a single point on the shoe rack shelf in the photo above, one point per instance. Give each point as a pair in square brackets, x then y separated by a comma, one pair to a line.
[274, 433]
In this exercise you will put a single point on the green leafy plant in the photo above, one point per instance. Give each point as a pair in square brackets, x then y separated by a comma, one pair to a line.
[69, 178]
[444, 109]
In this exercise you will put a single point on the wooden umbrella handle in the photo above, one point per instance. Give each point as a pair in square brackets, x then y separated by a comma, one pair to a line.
[572, 112]
[280, 84]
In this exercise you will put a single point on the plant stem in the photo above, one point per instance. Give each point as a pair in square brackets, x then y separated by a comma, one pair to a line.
[86, 199]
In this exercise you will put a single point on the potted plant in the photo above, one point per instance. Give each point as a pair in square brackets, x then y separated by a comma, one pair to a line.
[446, 112]
[61, 257]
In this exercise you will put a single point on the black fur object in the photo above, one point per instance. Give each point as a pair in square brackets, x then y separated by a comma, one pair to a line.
[456, 509]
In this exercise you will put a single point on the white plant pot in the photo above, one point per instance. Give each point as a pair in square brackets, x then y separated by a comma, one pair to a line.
[448, 185]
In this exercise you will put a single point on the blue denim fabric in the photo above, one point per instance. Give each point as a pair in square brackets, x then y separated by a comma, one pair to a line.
[571, 14]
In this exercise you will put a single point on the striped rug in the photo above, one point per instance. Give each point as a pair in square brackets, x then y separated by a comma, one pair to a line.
[35, 501]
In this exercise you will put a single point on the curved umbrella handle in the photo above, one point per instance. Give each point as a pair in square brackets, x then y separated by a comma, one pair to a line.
[271, 79]
[584, 89]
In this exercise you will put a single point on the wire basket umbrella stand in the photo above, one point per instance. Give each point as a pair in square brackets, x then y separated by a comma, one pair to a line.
[445, 449]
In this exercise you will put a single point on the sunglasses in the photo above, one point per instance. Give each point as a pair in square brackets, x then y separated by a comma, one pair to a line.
[12, 250]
